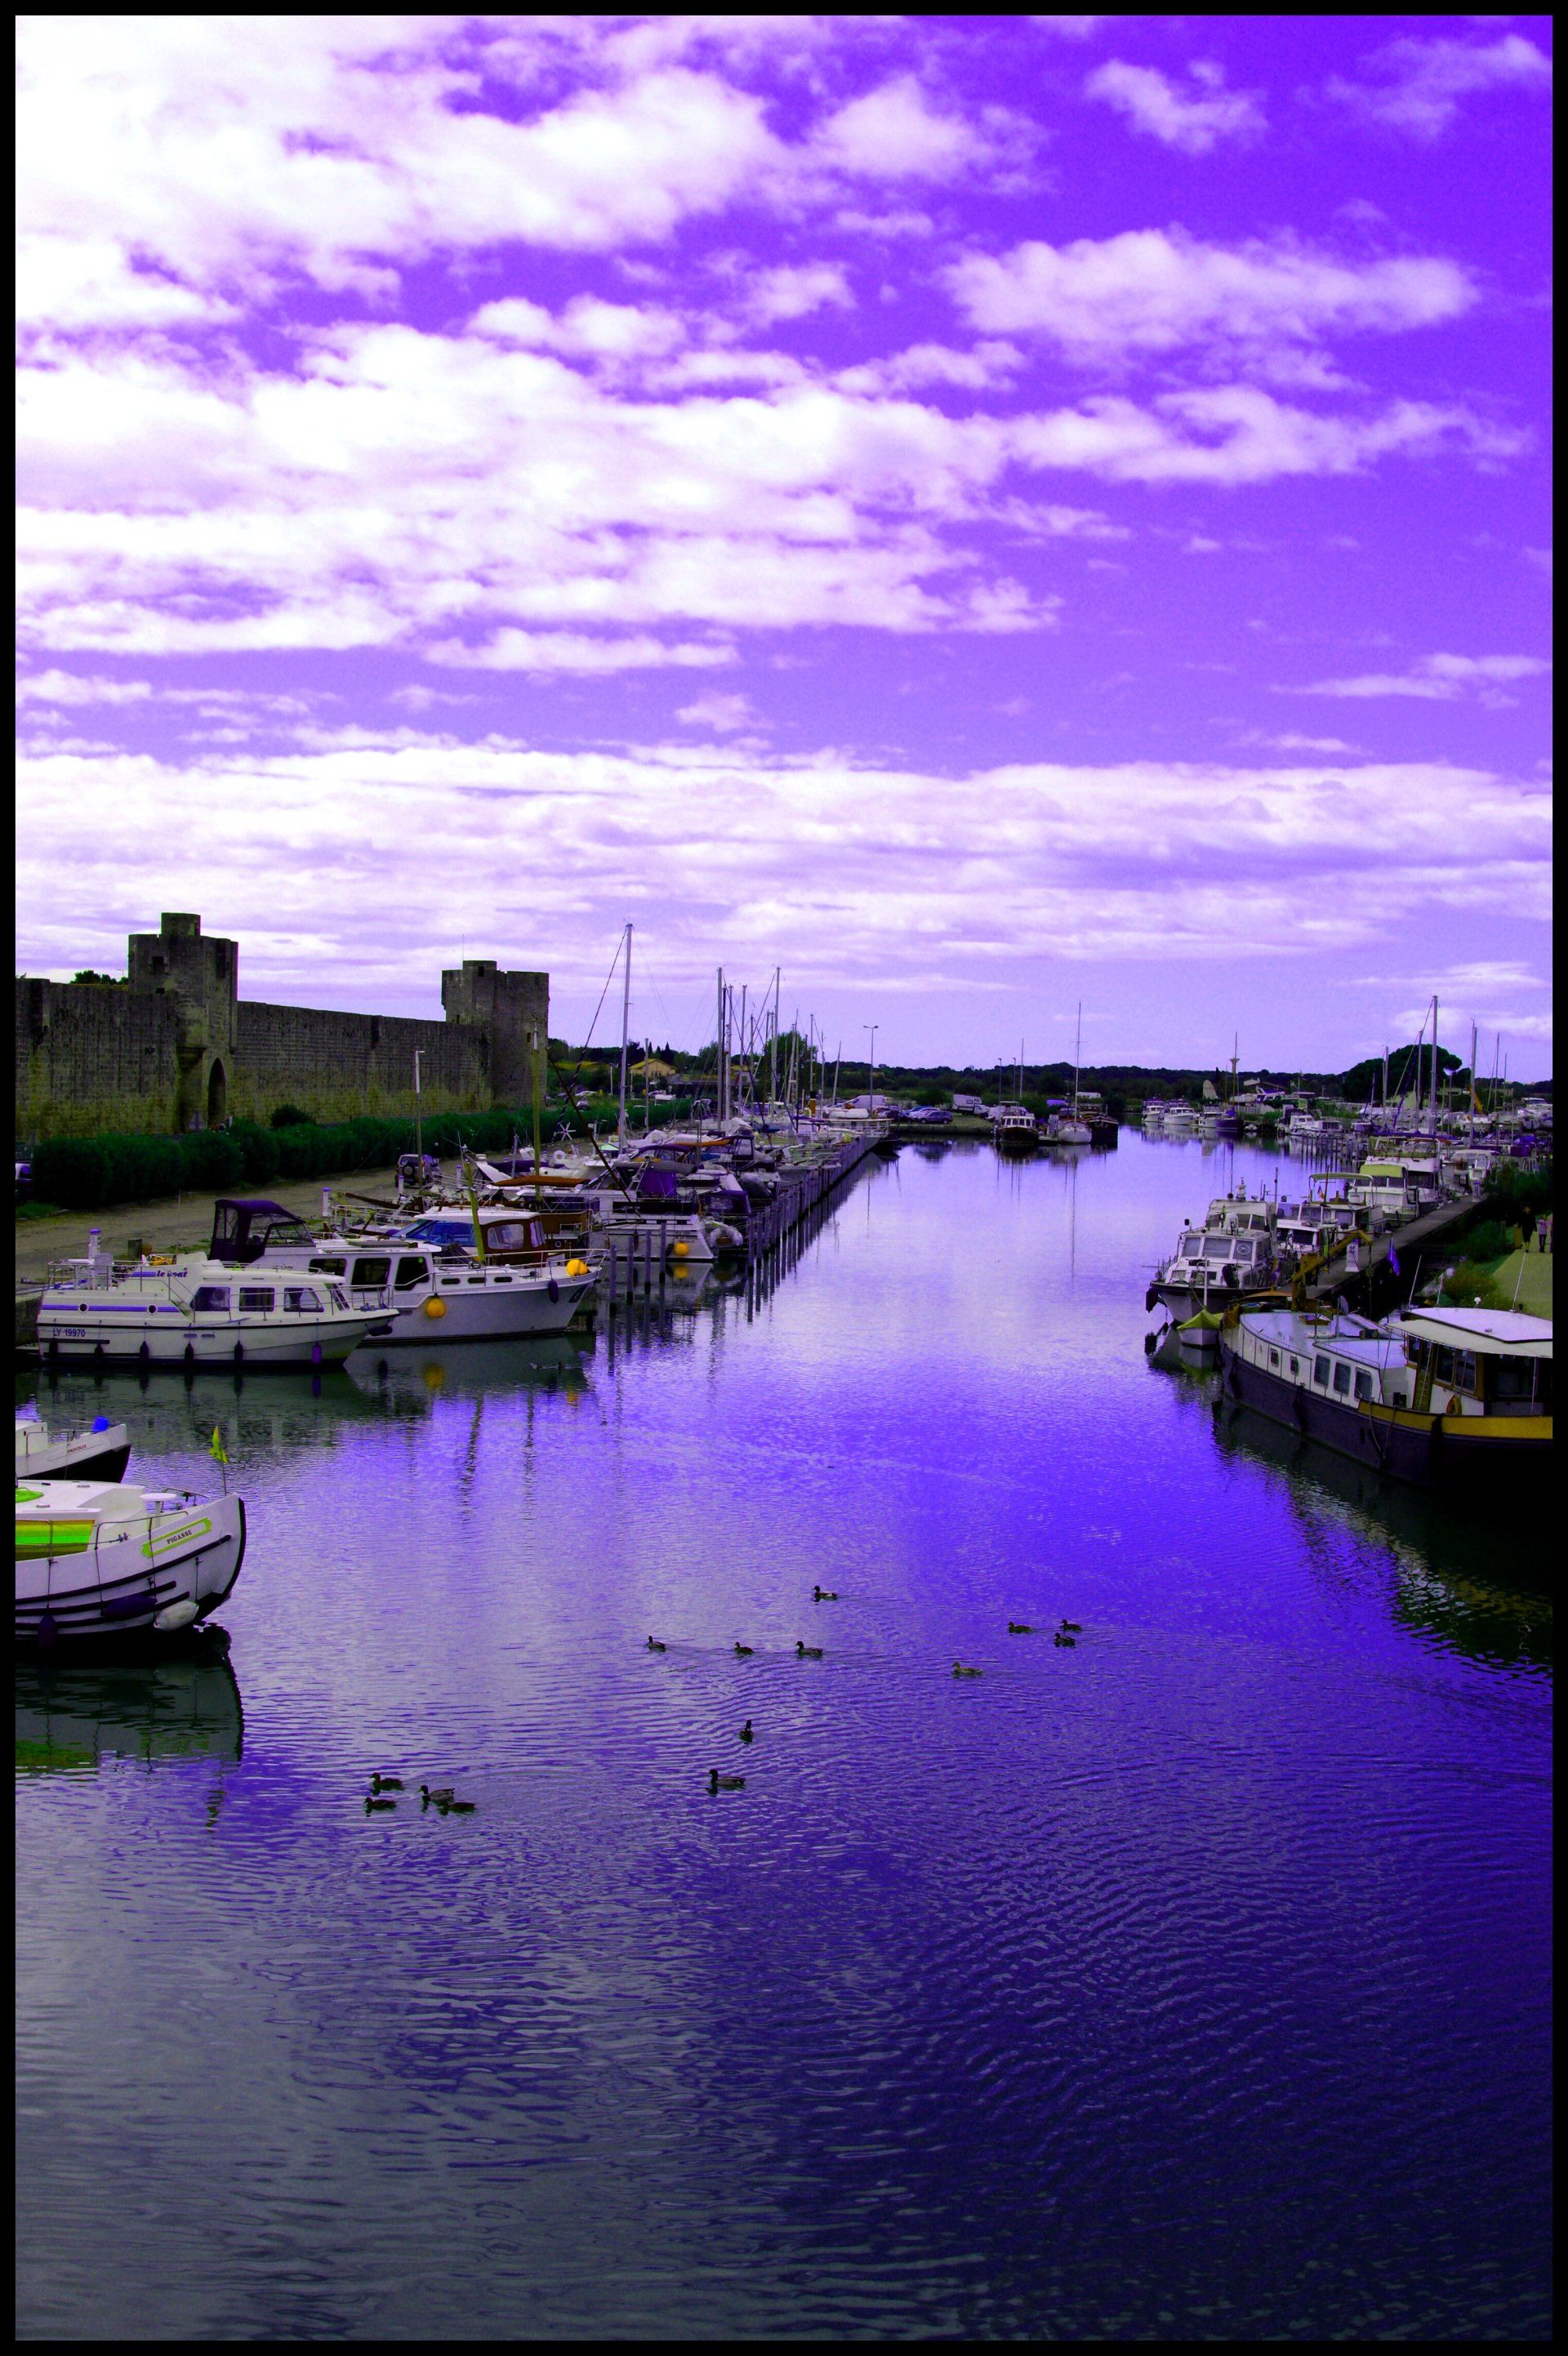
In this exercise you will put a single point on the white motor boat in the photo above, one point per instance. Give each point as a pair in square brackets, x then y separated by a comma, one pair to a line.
[422, 1285]
[110, 1558]
[194, 1311]
[46, 1454]
[1066, 1129]
[1014, 1125]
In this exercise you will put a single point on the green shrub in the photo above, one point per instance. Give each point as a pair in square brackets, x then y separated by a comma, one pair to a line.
[73, 1172]
[289, 1115]
[1490, 1240]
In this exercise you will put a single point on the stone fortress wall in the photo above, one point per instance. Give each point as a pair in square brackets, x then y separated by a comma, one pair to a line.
[176, 1047]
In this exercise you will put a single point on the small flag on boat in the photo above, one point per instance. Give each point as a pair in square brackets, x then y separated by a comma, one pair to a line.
[219, 1449]
[1393, 1259]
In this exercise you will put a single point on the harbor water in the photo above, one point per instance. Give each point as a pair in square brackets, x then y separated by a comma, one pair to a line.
[1190, 1982]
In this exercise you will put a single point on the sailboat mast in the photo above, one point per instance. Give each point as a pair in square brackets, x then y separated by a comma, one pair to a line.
[625, 1033]
[1433, 1126]
[1077, 1057]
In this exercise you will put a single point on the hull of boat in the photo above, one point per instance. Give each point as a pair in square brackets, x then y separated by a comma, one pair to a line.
[488, 1313]
[123, 1589]
[1497, 1459]
[89, 1337]
[100, 1456]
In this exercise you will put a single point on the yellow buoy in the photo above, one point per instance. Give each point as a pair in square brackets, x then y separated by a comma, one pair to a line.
[576, 1268]
[433, 1308]
[681, 1247]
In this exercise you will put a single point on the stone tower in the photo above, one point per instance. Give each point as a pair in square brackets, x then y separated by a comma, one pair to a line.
[507, 1007]
[200, 974]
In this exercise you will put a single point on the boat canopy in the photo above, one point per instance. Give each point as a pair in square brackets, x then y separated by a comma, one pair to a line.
[1495, 1333]
[243, 1230]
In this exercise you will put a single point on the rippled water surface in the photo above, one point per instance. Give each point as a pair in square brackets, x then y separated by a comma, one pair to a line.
[1190, 1983]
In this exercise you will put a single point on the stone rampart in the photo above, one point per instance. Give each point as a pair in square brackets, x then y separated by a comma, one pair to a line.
[177, 1048]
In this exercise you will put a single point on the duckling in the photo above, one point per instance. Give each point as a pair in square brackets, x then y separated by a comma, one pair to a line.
[746, 1733]
[372, 1806]
[1072, 1627]
[745, 1649]
[655, 1646]
[442, 1791]
[386, 1782]
[825, 1595]
[960, 1671]
[1068, 1642]
[808, 1652]
[1019, 1628]
[717, 1782]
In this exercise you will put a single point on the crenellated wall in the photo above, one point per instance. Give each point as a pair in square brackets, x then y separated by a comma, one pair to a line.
[177, 1048]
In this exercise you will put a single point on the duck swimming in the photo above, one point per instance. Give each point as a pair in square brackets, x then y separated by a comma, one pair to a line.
[1019, 1628]
[1070, 1642]
[808, 1652]
[825, 1595]
[1072, 1627]
[457, 1807]
[386, 1782]
[655, 1646]
[442, 1791]
[717, 1782]
[746, 1733]
[744, 1649]
[960, 1671]
[372, 1806]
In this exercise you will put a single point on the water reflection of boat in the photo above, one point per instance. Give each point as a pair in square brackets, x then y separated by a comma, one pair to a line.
[470, 1369]
[71, 1713]
[1453, 1578]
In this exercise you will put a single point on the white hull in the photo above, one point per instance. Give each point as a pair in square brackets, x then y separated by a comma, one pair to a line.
[171, 1566]
[490, 1309]
[43, 1455]
[132, 1336]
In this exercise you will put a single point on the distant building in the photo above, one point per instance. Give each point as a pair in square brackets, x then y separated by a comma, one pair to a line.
[179, 1048]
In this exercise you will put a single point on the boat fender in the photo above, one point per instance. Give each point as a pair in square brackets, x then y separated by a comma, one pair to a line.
[144, 1352]
[1230, 1276]
[1151, 1343]
[553, 1289]
[190, 1354]
[175, 1615]
[1233, 1379]
[47, 1628]
[240, 1353]
[1149, 1300]
[434, 1308]
[98, 1349]
[316, 1353]
[681, 1248]
[580, 1266]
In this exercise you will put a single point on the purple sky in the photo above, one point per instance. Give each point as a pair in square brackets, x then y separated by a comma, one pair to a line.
[980, 512]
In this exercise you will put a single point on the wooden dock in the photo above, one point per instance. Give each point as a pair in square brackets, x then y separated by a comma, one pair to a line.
[1411, 1242]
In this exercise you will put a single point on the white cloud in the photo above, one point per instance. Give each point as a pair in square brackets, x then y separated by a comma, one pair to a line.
[1150, 290]
[725, 713]
[891, 134]
[986, 366]
[1194, 124]
[868, 870]
[565, 650]
[793, 290]
[1435, 679]
[1422, 82]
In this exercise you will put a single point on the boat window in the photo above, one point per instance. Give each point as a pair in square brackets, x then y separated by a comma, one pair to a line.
[1273, 1357]
[1442, 1364]
[1513, 1378]
[1341, 1375]
[210, 1298]
[258, 1298]
[1296, 1365]
[410, 1272]
[508, 1235]
[1363, 1384]
[303, 1298]
[327, 1266]
[372, 1271]
[1320, 1370]
[1217, 1247]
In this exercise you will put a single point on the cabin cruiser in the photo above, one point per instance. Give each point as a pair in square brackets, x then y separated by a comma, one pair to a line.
[1456, 1400]
[1231, 1253]
[47, 1453]
[191, 1309]
[1066, 1129]
[110, 1558]
[1013, 1126]
[424, 1284]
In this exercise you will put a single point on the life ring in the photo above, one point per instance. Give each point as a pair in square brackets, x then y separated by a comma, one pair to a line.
[434, 1308]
